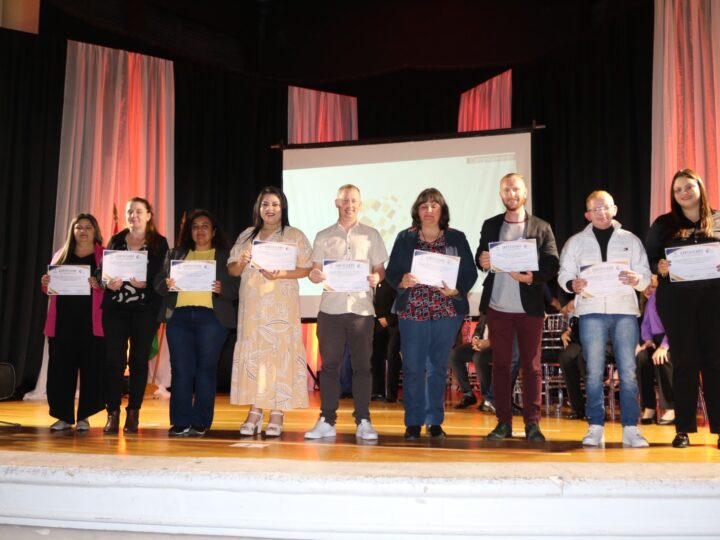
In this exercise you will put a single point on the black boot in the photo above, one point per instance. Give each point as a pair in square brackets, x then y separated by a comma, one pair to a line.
[132, 421]
[113, 422]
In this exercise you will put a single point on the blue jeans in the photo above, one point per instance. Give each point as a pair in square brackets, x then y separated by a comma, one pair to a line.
[195, 338]
[594, 332]
[426, 348]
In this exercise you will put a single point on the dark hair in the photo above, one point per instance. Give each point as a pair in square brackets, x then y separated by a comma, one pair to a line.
[431, 195]
[705, 212]
[70, 243]
[152, 236]
[219, 239]
[257, 218]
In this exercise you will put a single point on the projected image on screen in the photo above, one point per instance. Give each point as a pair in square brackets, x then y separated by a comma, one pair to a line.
[390, 176]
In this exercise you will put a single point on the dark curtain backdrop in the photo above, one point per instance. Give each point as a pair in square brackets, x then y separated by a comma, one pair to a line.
[224, 128]
[595, 99]
[32, 74]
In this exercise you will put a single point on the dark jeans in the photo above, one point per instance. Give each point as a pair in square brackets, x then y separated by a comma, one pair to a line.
[691, 319]
[386, 348]
[68, 357]
[504, 327]
[195, 338]
[333, 331]
[647, 372]
[139, 326]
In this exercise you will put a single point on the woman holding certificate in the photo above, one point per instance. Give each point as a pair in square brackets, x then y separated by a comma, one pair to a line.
[130, 309]
[74, 326]
[269, 370]
[681, 247]
[432, 268]
[198, 307]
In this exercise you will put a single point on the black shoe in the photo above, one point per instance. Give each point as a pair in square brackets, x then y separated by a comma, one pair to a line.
[681, 440]
[466, 401]
[502, 431]
[533, 433]
[391, 399]
[436, 432]
[487, 406]
[113, 422]
[179, 431]
[412, 433]
[346, 395]
[377, 397]
[574, 415]
[718, 444]
[648, 421]
[516, 409]
[132, 421]
[197, 431]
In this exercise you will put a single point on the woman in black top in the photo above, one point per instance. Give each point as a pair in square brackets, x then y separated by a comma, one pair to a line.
[130, 310]
[75, 334]
[689, 310]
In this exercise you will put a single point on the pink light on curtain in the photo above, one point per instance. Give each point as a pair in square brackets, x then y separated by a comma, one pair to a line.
[315, 116]
[488, 105]
[686, 97]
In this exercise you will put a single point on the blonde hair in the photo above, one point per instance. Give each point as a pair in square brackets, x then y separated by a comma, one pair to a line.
[346, 187]
[598, 194]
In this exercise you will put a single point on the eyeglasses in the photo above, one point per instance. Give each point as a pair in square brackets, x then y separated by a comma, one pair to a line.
[270, 205]
[601, 209]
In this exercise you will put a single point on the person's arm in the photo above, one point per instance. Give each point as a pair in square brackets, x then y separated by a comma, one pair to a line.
[548, 260]
[482, 254]
[467, 273]
[160, 283]
[397, 266]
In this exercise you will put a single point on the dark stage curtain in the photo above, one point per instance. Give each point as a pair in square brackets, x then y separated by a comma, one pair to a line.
[595, 99]
[224, 128]
[32, 74]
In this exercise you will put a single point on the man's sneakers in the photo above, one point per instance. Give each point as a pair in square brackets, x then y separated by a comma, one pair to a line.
[632, 438]
[322, 430]
[365, 431]
[595, 436]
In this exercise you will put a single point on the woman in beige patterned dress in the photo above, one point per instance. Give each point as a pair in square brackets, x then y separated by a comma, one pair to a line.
[269, 361]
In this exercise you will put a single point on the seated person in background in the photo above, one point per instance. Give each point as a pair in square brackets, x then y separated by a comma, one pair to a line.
[572, 363]
[386, 345]
[653, 362]
[480, 353]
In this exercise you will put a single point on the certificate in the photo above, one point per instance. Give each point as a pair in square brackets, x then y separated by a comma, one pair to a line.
[124, 265]
[603, 280]
[192, 275]
[346, 275]
[435, 268]
[274, 255]
[514, 256]
[69, 280]
[690, 263]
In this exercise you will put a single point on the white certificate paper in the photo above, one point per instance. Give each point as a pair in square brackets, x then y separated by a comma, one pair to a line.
[603, 280]
[69, 280]
[435, 268]
[196, 276]
[346, 275]
[124, 265]
[514, 256]
[690, 263]
[274, 255]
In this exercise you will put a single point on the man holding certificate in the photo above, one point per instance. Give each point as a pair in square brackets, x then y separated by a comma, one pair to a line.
[349, 257]
[512, 298]
[604, 265]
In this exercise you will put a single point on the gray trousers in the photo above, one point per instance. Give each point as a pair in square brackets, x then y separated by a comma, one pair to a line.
[333, 331]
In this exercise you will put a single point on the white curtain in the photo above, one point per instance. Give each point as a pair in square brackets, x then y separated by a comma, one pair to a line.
[315, 116]
[117, 142]
[686, 96]
[488, 105]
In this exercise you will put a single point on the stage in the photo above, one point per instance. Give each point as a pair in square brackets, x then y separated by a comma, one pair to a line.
[461, 487]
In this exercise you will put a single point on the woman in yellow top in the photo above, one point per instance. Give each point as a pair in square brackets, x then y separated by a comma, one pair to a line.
[197, 325]
[269, 370]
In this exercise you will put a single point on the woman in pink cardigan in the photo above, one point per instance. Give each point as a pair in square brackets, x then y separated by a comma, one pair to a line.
[74, 332]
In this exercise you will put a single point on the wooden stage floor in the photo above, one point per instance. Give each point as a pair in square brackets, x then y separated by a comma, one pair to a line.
[465, 441]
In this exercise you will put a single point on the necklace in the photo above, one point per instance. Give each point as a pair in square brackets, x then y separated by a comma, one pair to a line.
[521, 221]
[429, 240]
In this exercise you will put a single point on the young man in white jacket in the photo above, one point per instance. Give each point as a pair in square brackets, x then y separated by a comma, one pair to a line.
[607, 305]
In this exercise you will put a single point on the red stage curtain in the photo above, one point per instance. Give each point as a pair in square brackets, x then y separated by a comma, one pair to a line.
[488, 105]
[686, 97]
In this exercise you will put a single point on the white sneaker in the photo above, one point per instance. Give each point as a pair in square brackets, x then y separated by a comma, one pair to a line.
[82, 425]
[633, 438]
[595, 436]
[366, 431]
[321, 430]
[60, 425]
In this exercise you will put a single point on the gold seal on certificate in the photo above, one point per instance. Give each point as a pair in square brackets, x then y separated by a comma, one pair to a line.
[69, 280]
[691, 263]
[125, 265]
[272, 256]
[195, 276]
[513, 256]
[435, 269]
[346, 275]
[603, 279]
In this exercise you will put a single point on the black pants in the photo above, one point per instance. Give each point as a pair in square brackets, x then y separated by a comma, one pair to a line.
[68, 357]
[572, 362]
[691, 318]
[138, 326]
[647, 373]
[386, 347]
